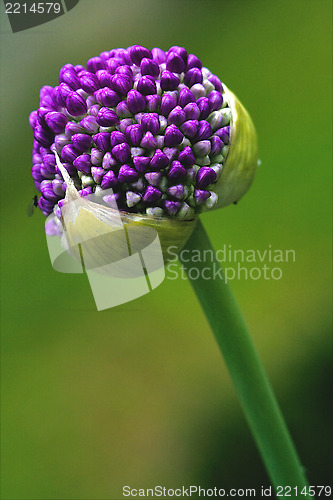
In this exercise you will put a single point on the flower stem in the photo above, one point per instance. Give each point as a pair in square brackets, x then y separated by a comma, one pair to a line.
[253, 388]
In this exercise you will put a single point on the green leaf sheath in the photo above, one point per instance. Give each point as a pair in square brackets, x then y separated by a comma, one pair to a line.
[253, 388]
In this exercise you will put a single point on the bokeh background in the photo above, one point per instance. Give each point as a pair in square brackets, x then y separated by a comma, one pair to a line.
[139, 395]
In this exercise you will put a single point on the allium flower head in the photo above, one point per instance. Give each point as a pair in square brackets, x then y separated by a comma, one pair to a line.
[154, 126]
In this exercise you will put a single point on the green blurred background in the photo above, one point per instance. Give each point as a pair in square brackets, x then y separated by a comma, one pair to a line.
[139, 395]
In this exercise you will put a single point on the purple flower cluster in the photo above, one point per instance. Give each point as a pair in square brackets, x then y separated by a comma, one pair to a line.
[152, 125]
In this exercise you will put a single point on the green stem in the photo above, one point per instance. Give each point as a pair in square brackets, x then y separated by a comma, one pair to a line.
[253, 388]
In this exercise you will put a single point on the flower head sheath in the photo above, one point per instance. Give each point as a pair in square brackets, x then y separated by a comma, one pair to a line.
[157, 127]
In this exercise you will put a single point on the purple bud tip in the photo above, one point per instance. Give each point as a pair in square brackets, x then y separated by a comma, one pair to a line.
[193, 76]
[69, 77]
[167, 104]
[108, 161]
[97, 174]
[137, 53]
[177, 171]
[169, 81]
[193, 62]
[117, 137]
[180, 51]
[172, 207]
[177, 116]
[151, 195]
[159, 55]
[204, 106]
[107, 117]
[96, 157]
[216, 82]
[109, 180]
[88, 123]
[121, 152]
[175, 63]
[148, 141]
[216, 145]
[134, 134]
[107, 97]
[202, 148]
[173, 136]
[81, 142]
[56, 121]
[104, 78]
[150, 123]
[224, 134]
[102, 140]
[89, 82]
[121, 84]
[127, 174]
[83, 163]
[204, 131]
[153, 102]
[190, 128]
[153, 178]
[75, 104]
[124, 70]
[69, 153]
[73, 128]
[186, 157]
[159, 160]
[200, 196]
[192, 112]
[141, 163]
[149, 67]
[146, 85]
[205, 177]
[177, 191]
[185, 96]
[135, 101]
[94, 64]
[215, 99]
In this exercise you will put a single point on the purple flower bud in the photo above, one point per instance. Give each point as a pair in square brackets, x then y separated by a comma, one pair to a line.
[175, 63]
[94, 64]
[43, 137]
[75, 104]
[216, 145]
[135, 101]
[192, 77]
[116, 137]
[127, 174]
[150, 123]
[186, 157]
[102, 140]
[60, 141]
[85, 192]
[177, 191]
[126, 122]
[78, 68]
[41, 114]
[173, 136]
[216, 82]
[177, 116]
[146, 85]
[104, 78]
[69, 153]
[137, 53]
[159, 160]
[73, 128]
[49, 161]
[204, 106]
[124, 70]
[109, 180]
[56, 121]
[121, 84]
[107, 117]
[107, 97]
[153, 102]
[46, 96]
[177, 171]
[88, 123]
[168, 103]
[198, 90]
[185, 96]
[108, 161]
[224, 134]
[83, 163]
[121, 152]
[204, 131]
[149, 67]
[190, 128]
[71, 79]
[46, 206]
[134, 133]
[122, 110]
[113, 63]
[60, 94]
[33, 119]
[153, 178]
[81, 142]
[57, 187]
[35, 171]
[159, 55]
[93, 109]
[205, 177]
[96, 157]
[200, 196]
[192, 111]
[141, 163]
[66, 67]
[180, 51]
[193, 62]
[47, 191]
[172, 207]
[97, 174]
[151, 195]
[202, 148]
[171, 153]
[148, 141]
[215, 99]
[169, 81]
